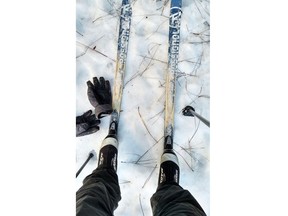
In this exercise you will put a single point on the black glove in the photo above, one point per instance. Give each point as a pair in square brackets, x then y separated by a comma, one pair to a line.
[99, 95]
[86, 124]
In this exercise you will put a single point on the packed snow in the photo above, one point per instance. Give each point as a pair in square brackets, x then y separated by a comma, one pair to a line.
[141, 126]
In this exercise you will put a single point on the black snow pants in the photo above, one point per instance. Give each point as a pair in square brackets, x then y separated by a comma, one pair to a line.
[100, 194]
[171, 199]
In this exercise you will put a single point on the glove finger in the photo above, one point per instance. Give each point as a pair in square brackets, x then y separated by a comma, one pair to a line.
[102, 82]
[89, 84]
[96, 82]
[82, 118]
[91, 117]
[91, 97]
[93, 129]
[87, 113]
[94, 123]
[108, 88]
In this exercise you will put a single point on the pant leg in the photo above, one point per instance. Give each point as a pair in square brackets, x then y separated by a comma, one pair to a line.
[172, 199]
[99, 194]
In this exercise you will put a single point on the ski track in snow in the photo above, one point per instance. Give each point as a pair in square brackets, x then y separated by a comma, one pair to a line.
[141, 126]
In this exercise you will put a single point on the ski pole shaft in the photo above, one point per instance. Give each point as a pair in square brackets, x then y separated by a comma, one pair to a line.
[87, 160]
[190, 111]
[205, 121]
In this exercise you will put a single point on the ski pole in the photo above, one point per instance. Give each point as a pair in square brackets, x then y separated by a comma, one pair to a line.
[190, 111]
[91, 154]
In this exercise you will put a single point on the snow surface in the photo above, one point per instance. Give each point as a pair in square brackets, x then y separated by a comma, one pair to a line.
[141, 124]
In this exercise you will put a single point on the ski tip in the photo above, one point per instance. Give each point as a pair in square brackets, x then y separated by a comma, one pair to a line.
[188, 111]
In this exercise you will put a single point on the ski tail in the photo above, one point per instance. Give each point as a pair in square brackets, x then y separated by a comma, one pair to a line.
[122, 50]
[173, 54]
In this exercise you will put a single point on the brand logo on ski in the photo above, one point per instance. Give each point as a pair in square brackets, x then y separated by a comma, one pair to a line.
[126, 11]
[175, 17]
[124, 34]
[174, 35]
